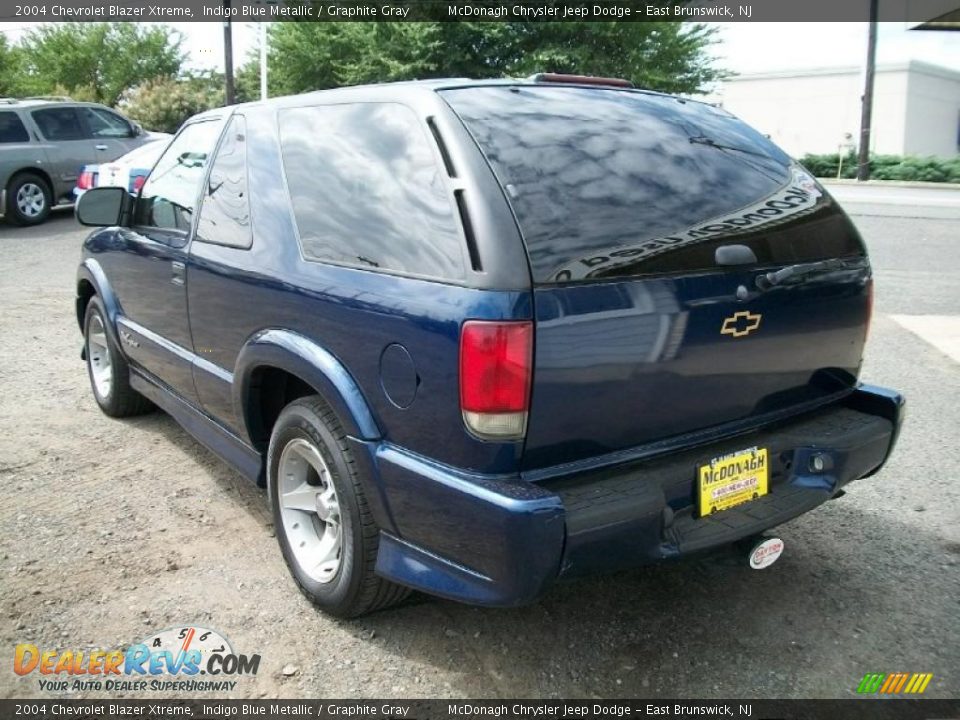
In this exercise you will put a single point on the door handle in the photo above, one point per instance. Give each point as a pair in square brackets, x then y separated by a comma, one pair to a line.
[179, 272]
[102, 147]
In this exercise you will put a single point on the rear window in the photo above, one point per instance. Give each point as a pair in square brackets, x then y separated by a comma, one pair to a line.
[367, 190]
[608, 184]
[12, 129]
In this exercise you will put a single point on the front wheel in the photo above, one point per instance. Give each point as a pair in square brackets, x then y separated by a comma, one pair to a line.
[325, 529]
[28, 199]
[107, 368]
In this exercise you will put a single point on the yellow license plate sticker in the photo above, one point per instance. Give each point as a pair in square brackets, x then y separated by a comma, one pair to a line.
[733, 479]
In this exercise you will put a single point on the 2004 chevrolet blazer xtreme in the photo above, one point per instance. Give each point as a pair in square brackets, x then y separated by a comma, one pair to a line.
[478, 336]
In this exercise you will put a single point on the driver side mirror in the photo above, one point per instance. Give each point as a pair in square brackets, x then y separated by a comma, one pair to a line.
[103, 207]
[135, 129]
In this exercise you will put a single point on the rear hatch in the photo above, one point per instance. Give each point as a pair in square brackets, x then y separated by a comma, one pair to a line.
[687, 273]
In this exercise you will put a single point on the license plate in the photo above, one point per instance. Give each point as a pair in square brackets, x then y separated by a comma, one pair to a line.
[733, 479]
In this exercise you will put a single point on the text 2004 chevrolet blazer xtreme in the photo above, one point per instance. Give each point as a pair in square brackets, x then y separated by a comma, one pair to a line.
[479, 336]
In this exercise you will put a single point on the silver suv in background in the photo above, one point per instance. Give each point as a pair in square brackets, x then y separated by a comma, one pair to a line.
[44, 142]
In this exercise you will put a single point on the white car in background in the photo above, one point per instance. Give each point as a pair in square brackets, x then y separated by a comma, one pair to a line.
[129, 171]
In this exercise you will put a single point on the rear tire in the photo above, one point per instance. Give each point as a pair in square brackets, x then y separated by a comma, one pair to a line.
[29, 199]
[107, 368]
[326, 532]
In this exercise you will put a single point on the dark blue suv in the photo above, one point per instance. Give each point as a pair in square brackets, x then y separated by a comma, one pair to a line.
[476, 337]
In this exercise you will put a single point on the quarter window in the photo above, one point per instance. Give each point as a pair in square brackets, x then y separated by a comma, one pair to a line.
[59, 124]
[225, 213]
[169, 195]
[12, 129]
[367, 191]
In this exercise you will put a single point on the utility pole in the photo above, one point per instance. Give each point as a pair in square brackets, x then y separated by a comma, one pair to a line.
[228, 54]
[863, 160]
[263, 59]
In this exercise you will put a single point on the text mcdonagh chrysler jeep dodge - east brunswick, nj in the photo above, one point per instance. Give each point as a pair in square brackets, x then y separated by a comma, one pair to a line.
[476, 337]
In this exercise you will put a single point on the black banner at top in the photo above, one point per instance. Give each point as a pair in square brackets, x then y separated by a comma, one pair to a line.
[916, 11]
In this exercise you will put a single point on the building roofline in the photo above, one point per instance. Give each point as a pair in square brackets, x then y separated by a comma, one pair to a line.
[915, 66]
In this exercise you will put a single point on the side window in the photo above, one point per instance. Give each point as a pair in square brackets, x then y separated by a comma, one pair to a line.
[60, 123]
[367, 191]
[12, 129]
[169, 195]
[225, 213]
[105, 124]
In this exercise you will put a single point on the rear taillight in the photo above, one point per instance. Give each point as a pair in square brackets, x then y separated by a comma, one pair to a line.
[138, 182]
[85, 181]
[495, 369]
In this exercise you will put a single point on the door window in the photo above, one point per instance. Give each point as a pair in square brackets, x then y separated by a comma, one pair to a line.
[105, 124]
[169, 195]
[225, 213]
[60, 123]
[12, 129]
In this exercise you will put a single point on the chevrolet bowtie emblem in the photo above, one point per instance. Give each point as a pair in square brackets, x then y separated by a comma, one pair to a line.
[741, 324]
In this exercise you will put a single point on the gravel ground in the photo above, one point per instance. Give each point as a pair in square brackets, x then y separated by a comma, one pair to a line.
[112, 530]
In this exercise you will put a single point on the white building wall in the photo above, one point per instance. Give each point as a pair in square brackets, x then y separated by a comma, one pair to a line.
[933, 114]
[916, 108]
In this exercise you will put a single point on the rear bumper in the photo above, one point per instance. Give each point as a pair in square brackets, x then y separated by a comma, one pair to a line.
[503, 541]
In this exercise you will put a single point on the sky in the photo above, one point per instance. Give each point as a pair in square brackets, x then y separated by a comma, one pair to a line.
[745, 46]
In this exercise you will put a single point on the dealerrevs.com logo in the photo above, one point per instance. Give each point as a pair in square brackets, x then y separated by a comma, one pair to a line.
[189, 659]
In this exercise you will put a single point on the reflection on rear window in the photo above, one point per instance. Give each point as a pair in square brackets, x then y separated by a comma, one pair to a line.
[608, 183]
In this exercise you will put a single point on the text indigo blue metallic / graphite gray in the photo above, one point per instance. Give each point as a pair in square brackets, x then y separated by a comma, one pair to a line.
[480, 336]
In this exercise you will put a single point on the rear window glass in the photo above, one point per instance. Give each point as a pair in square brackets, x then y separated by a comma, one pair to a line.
[12, 129]
[610, 184]
[367, 190]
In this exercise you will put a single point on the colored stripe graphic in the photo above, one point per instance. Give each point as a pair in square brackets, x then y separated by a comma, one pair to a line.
[870, 683]
[894, 683]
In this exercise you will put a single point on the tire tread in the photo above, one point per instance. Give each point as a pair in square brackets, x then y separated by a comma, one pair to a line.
[376, 593]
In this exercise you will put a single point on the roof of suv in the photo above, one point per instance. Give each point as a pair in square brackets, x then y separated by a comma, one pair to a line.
[37, 102]
[432, 85]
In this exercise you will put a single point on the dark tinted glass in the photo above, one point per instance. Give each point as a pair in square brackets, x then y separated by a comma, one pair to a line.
[367, 191]
[106, 124]
[610, 184]
[170, 192]
[59, 124]
[12, 129]
[225, 213]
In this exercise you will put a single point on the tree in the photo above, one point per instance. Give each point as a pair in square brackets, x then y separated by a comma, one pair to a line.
[10, 60]
[163, 104]
[313, 56]
[664, 56]
[98, 60]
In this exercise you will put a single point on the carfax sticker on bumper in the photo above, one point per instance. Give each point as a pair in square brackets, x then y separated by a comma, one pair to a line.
[733, 479]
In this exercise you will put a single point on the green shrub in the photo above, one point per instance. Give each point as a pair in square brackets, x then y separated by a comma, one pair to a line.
[163, 104]
[886, 167]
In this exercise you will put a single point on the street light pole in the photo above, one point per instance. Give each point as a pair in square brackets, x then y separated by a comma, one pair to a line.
[866, 112]
[231, 97]
[263, 60]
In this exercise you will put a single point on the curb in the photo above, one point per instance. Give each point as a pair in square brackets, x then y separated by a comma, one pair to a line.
[892, 183]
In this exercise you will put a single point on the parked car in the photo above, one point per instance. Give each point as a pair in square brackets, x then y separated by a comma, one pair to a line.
[479, 336]
[43, 144]
[128, 171]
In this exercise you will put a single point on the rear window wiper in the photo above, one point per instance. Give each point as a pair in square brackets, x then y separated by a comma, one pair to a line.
[796, 272]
